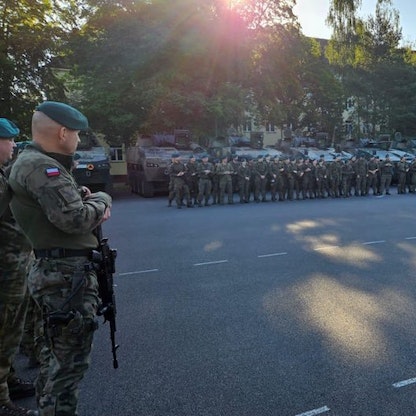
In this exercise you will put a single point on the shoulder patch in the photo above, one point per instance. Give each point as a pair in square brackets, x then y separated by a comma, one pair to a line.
[50, 172]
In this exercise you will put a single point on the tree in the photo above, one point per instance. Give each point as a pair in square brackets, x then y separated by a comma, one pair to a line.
[368, 57]
[32, 33]
[155, 67]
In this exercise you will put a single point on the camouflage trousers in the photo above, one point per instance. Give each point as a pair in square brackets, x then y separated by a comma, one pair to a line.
[13, 305]
[66, 291]
[31, 339]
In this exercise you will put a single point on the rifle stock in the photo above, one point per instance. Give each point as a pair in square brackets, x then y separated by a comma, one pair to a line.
[105, 261]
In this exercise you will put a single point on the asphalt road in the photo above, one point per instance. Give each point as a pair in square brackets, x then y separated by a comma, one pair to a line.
[272, 309]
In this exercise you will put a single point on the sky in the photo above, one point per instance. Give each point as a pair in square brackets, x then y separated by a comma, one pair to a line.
[312, 15]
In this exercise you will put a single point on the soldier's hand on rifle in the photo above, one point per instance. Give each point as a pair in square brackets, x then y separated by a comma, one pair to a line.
[85, 192]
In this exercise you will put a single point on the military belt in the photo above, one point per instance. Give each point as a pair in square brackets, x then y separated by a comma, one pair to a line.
[56, 253]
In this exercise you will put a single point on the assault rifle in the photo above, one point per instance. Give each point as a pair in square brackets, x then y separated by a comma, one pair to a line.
[105, 257]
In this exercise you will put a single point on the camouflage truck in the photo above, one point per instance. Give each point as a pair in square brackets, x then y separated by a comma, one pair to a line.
[92, 164]
[148, 160]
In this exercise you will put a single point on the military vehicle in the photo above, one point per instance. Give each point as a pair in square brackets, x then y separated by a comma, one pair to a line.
[328, 154]
[241, 146]
[92, 164]
[148, 160]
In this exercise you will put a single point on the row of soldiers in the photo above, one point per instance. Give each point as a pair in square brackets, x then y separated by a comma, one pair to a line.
[196, 182]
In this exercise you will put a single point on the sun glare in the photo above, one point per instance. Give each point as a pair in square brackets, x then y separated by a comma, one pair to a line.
[233, 3]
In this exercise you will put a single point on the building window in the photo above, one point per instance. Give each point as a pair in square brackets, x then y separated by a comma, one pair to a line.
[116, 154]
[350, 103]
[270, 128]
[247, 126]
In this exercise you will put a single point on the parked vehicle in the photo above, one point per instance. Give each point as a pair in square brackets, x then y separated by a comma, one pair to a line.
[148, 160]
[92, 164]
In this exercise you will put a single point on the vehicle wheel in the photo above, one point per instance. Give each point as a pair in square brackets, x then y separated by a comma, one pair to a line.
[148, 190]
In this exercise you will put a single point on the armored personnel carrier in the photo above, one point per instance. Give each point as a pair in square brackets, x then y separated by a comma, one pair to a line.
[148, 160]
[242, 146]
[92, 164]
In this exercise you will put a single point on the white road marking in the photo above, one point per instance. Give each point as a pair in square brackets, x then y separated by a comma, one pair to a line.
[211, 262]
[138, 272]
[410, 238]
[373, 242]
[404, 383]
[272, 254]
[315, 411]
[325, 248]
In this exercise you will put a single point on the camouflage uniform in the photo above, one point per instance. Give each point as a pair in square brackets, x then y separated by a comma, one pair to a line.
[59, 223]
[360, 168]
[274, 177]
[402, 170]
[260, 172]
[177, 171]
[15, 252]
[298, 175]
[308, 180]
[412, 176]
[244, 175]
[372, 176]
[191, 178]
[334, 171]
[32, 333]
[289, 169]
[320, 178]
[347, 174]
[205, 171]
[386, 170]
[224, 171]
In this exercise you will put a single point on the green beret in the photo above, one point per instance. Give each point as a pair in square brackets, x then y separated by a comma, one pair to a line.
[8, 129]
[175, 155]
[64, 114]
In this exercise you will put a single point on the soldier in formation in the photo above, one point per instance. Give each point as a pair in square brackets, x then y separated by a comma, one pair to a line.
[304, 178]
[244, 175]
[260, 173]
[224, 172]
[205, 172]
[177, 172]
[386, 172]
[402, 170]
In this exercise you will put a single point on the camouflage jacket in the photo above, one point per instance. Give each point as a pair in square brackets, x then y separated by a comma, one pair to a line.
[48, 205]
[12, 238]
[205, 170]
[175, 169]
[224, 169]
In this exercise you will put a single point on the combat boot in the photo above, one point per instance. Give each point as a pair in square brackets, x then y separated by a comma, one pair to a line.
[19, 388]
[10, 409]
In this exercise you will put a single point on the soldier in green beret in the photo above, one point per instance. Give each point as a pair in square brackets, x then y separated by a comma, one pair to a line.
[59, 221]
[15, 252]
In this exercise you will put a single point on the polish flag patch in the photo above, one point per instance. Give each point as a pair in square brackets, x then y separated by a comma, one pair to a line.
[51, 172]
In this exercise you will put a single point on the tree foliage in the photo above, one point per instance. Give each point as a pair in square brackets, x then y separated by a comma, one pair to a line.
[151, 65]
[32, 33]
[199, 65]
[374, 68]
